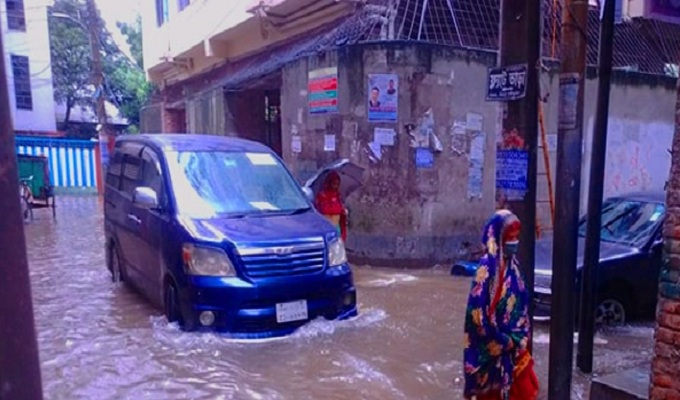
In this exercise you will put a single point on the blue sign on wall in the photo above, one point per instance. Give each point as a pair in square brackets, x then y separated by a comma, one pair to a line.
[506, 83]
[512, 169]
[424, 158]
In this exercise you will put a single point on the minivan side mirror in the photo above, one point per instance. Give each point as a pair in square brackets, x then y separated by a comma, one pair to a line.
[308, 193]
[145, 197]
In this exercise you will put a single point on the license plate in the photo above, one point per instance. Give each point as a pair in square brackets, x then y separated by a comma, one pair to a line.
[291, 311]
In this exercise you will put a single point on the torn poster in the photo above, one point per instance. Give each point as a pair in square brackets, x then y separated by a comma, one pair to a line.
[475, 122]
[477, 148]
[424, 158]
[296, 144]
[329, 143]
[384, 136]
[376, 151]
[458, 138]
[475, 182]
[476, 166]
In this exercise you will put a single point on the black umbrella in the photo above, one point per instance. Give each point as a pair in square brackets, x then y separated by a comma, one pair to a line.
[351, 177]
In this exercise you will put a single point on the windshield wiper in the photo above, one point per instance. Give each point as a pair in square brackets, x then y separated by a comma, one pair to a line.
[300, 210]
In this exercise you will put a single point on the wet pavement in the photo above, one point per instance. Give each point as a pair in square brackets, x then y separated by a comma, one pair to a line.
[100, 340]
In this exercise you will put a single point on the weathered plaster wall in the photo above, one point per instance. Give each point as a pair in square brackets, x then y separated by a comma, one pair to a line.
[639, 134]
[403, 215]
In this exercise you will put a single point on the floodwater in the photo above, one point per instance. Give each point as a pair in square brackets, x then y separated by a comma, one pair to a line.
[102, 341]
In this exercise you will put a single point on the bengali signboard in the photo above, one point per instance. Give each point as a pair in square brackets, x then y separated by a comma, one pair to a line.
[322, 91]
[506, 83]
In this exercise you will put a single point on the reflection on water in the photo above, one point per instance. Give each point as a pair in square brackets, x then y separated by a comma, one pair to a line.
[99, 340]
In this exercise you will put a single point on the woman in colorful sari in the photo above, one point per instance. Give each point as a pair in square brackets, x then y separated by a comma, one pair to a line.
[497, 327]
[329, 203]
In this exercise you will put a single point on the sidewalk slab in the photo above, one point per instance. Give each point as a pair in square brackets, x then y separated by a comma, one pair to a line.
[632, 384]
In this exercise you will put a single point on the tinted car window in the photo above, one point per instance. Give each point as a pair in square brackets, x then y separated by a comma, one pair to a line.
[131, 174]
[628, 222]
[151, 175]
[114, 171]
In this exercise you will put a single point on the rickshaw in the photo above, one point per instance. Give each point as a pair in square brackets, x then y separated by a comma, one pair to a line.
[35, 187]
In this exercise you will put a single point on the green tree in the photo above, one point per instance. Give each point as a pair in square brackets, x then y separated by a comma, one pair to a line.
[133, 34]
[125, 81]
[71, 57]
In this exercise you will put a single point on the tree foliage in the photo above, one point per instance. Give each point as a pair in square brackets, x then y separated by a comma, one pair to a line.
[125, 84]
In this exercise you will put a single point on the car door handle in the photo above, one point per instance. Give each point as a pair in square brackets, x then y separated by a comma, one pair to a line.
[134, 219]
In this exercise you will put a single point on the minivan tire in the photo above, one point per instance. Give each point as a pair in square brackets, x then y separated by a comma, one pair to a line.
[115, 266]
[172, 308]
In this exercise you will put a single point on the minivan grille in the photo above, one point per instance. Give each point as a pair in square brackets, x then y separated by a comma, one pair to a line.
[296, 259]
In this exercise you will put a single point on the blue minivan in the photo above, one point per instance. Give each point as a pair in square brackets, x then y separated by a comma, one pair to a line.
[217, 233]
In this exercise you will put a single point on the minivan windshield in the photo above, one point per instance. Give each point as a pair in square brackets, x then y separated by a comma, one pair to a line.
[232, 184]
[628, 222]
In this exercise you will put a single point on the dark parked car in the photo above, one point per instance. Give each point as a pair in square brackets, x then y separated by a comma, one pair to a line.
[630, 260]
[217, 233]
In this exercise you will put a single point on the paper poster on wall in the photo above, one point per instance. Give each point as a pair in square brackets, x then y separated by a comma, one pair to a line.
[383, 95]
[511, 172]
[384, 136]
[329, 143]
[477, 148]
[322, 91]
[376, 151]
[552, 142]
[296, 144]
[475, 122]
[569, 84]
[475, 183]
[458, 138]
[424, 158]
[476, 166]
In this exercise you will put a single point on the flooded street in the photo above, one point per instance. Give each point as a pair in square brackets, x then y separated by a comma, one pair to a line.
[102, 341]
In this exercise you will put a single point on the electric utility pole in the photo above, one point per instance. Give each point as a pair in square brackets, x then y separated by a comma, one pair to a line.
[519, 61]
[106, 136]
[567, 195]
[584, 356]
[19, 361]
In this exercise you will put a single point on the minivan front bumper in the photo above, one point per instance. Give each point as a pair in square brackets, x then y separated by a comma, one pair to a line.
[248, 309]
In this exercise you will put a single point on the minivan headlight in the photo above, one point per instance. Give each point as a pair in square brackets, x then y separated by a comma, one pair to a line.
[207, 261]
[337, 255]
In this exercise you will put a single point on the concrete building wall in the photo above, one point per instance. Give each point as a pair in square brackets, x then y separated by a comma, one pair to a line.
[33, 43]
[405, 214]
[639, 135]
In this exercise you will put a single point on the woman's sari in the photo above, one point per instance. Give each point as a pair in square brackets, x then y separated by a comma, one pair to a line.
[497, 364]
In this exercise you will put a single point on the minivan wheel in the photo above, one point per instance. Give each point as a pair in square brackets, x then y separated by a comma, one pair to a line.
[610, 312]
[171, 304]
[116, 271]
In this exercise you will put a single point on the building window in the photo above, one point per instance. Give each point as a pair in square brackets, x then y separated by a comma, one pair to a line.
[182, 4]
[162, 12]
[22, 82]
[16, 19]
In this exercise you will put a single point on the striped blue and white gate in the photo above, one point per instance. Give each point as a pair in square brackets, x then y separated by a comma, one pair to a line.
[72, 162]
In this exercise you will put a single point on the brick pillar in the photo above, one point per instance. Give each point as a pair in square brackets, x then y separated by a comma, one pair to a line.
[665, 382]
[173, 120]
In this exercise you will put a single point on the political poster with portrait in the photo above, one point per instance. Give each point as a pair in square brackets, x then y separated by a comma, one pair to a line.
[383, 95]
